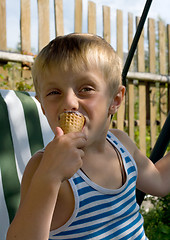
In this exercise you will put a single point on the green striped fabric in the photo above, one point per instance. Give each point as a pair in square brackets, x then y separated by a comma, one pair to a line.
[23, 131]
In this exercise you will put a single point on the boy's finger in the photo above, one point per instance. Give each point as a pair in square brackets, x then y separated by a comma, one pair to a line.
[58, 132]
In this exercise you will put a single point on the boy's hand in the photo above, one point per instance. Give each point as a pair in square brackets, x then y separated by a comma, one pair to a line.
[63, 155]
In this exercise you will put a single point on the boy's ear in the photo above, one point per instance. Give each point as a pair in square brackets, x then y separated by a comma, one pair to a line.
[40, 104]
[117, 100]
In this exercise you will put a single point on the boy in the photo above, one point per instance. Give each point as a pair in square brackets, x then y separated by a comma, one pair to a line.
[82, 186]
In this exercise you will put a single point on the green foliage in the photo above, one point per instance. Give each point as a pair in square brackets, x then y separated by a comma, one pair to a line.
[156, 221]
[23, 86]
[14, 79]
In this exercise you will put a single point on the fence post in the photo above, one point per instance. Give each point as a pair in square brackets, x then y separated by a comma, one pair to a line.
[162, 61]
[152, 66]
[142, 93]
[78, 16]
[59, 24]
[91, 17]
[130, 82]
[106, 23]
[168, 36]
[3, 42]
[25, 26]
[121, 111]
[43, 23]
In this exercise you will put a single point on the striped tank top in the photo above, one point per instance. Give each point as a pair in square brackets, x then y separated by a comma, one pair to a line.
[102, 213]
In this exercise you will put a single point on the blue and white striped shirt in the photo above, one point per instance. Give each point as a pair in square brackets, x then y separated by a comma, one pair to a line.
[102, 213]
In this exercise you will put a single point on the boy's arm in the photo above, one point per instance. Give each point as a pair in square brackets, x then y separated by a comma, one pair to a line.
[41, 183]
[153, 179]
[38, 198]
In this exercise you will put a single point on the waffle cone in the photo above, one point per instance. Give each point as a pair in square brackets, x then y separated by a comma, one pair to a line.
[71, 122]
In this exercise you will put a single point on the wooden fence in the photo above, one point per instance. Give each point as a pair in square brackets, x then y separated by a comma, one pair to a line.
[147, 99]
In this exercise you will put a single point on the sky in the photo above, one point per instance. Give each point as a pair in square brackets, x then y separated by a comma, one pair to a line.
[159, 8]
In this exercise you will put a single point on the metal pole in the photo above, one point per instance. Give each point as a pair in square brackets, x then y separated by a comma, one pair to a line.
[135, 41]
[164, 137]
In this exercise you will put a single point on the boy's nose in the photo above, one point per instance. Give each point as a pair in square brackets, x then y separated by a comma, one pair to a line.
[71, 101]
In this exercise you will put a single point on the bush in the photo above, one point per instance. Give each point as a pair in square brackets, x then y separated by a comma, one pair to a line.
[13, 78]
[156, 220]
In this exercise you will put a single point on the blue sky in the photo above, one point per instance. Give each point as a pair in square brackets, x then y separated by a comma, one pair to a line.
[159, 8]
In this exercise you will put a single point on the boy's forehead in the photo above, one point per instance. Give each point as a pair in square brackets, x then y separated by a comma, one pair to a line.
[82, 72]
[80, 69]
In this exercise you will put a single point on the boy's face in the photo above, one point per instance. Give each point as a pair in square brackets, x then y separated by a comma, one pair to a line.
[85, 91]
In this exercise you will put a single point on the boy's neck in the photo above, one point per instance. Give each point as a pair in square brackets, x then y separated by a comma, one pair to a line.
[97, 147]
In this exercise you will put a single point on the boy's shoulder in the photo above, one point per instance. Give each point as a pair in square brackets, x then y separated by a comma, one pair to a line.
[125, 140]
[33, 163]
[120, 135]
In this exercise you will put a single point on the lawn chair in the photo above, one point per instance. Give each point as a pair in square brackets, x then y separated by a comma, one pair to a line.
[23, 131]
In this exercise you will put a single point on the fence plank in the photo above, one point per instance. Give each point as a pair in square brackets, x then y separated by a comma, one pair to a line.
[120, 34]
[168, 37]
[3, 37]
[151, 36]
[140, 51]
[121, 111]
[131, 108]
[162, 51]
[59, 24]
[91, 17]
[25, 26]
[162, 61]
[142, 116]
[130, 36]
[3, 41]
[106, 23]
[78, 16]
[130, 82]
[152, 66]
[44, 23]
[142, 93]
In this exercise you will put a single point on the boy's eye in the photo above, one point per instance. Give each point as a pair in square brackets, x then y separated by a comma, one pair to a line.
[55, 92]
[87, 89]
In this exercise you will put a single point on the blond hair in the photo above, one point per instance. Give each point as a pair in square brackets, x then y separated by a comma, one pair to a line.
[79, 52]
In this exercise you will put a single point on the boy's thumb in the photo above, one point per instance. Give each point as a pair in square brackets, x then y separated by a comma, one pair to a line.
[58, 132]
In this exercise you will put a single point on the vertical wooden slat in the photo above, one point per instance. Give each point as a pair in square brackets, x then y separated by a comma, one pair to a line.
[162, 61]
[59, 24]
[142, 93]
[151, 36]
[168, 37]
[140, 51]
[121, 111]
[120, 34]
[3, 37]
[3, 41]
[106, 23]
[162, 51]
[78, 16]
[91, 17]
[130, 83]
[152, 66]
[25, 26]
[131, 108]
[44, 23]
[130, 36]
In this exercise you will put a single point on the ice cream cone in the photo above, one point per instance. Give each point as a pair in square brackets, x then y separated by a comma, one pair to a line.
[71, 121]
